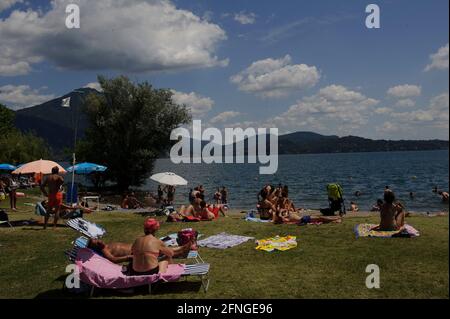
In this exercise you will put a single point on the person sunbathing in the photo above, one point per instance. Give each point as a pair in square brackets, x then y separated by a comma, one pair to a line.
[210, 212]
[294, 217]
[354, 207]
[114, 252]
[377, 206]
[192, 210]
[131, 202]
[147, 249]
[266, 207]
[392, 214]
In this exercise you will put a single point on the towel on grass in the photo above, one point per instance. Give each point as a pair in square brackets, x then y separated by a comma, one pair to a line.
[101, 273]
[251, 217]
[277, 243]
[364, 230]
[223, 241]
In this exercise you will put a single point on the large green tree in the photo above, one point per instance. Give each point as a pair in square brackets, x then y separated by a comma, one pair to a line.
[6, 120]
[129, 127]
[17, 147]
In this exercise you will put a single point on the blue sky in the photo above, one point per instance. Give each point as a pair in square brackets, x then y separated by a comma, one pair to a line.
[315, 66]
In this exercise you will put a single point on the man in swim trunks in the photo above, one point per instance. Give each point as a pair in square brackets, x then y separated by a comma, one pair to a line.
[114, 252]
[148, 248]
[55, 196]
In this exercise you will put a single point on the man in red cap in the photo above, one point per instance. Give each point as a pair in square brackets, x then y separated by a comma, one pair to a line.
[147, 249]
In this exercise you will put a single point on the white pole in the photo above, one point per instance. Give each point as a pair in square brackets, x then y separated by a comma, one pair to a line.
[73, 179]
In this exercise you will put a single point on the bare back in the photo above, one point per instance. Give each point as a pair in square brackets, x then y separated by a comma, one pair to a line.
[54, 183]
[145, 251]
[388, 213]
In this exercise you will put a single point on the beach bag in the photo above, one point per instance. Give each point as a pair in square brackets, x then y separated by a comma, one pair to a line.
[186, 235]
[334, 191]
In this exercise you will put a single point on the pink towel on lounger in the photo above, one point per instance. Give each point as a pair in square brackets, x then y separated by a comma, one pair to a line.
[101, 273]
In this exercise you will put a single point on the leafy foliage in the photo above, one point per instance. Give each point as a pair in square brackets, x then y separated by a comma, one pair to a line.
[17, 147]
[6, 120]
[129, 127]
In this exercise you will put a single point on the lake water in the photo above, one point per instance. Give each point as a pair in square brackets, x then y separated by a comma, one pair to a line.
[308, 175]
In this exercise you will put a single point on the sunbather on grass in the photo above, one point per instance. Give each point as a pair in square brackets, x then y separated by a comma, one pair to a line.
[131, 202]
[284, 216]
[267, 204]
[192, 210]
[114, 252]
[392, 214]
[147, 249]
[210, 212]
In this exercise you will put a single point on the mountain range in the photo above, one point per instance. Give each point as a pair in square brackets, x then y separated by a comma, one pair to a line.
[56, 125]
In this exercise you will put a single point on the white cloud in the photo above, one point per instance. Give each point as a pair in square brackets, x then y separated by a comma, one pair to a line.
[21, 96]
[405, 103]
[245, 18]
[199, 105]
[94, 85]
[405, 91]
[435, 115]
[6, 4]
[383, 110]
[439, 60]
[224, 117]
[137, 36]
[275, 77]
[333, 108]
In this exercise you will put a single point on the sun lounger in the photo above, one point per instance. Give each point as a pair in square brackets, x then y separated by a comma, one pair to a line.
[82, 242]
[99, 272]
[87, 228]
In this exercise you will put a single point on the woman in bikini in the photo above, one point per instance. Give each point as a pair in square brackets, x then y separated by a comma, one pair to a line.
[392, 214]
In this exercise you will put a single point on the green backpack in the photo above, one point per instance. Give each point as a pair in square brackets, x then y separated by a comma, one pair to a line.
[335, 191]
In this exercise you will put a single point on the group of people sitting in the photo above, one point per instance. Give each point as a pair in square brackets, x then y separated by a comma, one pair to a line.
[131, 202]
[274, 204]
[148, 254]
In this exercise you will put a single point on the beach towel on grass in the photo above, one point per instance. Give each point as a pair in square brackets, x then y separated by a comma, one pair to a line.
[101, 273]
[277, 243]
[364, 230]
[223, 241]
[251, 217]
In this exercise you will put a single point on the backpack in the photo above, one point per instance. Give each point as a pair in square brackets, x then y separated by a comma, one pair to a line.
[334, 191]
[186, 235]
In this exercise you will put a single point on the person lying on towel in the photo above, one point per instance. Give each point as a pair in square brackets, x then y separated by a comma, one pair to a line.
[114, 252]
[147, 249]
[392, 214]
[284, 216]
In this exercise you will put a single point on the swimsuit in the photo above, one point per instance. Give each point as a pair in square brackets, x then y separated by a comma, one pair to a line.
[55, 200]
[305, 220]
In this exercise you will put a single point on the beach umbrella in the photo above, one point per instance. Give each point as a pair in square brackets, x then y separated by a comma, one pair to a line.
[7, 167]
[41, 166]
[87, 168]
[169, 178]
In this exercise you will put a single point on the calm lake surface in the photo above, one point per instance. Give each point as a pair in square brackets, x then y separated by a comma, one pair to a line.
[308, 175]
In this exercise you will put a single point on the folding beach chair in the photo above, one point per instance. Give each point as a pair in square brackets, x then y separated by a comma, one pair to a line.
[72, 194]
[98, 272]
[90, 230]
[82, 242]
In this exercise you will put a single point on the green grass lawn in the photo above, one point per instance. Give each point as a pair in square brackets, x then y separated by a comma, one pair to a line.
[329, 261]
